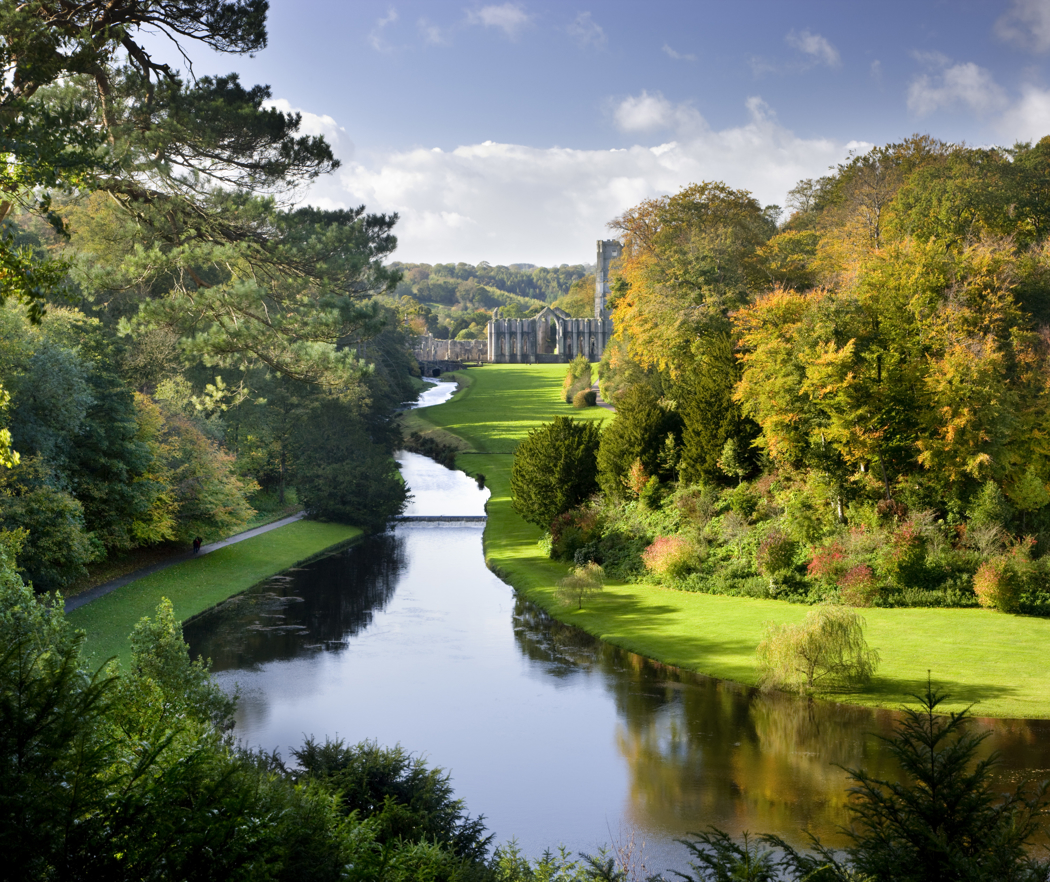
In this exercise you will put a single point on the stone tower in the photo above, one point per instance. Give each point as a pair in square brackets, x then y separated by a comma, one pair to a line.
[608, 251]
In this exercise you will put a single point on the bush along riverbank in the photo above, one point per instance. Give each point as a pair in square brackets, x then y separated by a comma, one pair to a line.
[976, 654]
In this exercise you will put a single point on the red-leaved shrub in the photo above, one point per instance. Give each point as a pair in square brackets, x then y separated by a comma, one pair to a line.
[857, 586]
[668, 556]
[995, 585]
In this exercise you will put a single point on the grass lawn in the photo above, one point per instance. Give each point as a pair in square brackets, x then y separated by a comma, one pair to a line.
[200, 583]
[997, 662]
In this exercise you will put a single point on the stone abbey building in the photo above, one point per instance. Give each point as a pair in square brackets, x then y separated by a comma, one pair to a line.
[554, 336]
[550, 337]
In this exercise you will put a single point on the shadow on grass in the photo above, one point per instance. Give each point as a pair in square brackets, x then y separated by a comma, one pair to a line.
[888, 690]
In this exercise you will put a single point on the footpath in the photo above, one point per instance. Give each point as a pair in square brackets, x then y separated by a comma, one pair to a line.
[86, 597]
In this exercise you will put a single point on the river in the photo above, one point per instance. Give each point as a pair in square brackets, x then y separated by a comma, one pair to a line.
[555, 737]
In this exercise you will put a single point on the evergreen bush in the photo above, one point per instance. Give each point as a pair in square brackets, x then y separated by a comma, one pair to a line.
[554, 470]
[584, 398]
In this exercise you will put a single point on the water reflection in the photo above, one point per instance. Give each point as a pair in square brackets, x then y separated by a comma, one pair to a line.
[304, 610]
[700, 751]
[552, 734]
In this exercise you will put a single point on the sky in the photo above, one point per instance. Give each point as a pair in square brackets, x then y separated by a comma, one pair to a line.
[513, 132]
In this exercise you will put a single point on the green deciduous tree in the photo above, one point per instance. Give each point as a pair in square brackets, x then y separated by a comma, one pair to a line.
[554, 470]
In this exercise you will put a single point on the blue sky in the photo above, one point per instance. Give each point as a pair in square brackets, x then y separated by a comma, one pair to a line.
[514, 131]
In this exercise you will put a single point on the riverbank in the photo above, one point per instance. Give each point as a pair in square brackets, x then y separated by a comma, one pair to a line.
[993, 660]
[202, 582]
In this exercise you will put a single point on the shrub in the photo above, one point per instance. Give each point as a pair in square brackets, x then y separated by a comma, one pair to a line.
[826, 651]
[1000, 580]
[650, 494]
[572, 530]
[669, 556]
[743, 500]
[636, 478]
[554, 469]
[828, 563]
[905, 560]
[776, 554]
[584, 398]
[857, 586]
[577, 378]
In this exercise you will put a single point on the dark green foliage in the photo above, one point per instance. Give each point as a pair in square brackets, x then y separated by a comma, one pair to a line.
[638, 433]
[57, 547]
[554, 470]
[990, 507]
[346, 470]
[572, 530]
[710, 416]
[108, 464]
[406, 800]
[131, 776]
[944, 821]
[715, 857]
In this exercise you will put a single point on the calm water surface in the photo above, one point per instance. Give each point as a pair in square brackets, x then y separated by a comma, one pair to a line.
[554, 736]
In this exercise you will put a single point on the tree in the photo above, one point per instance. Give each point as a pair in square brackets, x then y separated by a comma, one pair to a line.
[579, 302]
[684, 265]
[944, 821]
[345, 469]
[583, 581]
[554, 470]
[406, 801]
[826, 651]
[639, 431]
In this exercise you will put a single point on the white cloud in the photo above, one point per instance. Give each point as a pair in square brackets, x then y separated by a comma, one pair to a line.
[819, 50]
[648, 113]
[875, 71]
[587, 32]
[433, 34]
[965, 84]
[319, 124]
[678, 56]
[1029, 118]
[644, 113]
[509, 17]
[376, 36]
[1026, 23]
[509, 203]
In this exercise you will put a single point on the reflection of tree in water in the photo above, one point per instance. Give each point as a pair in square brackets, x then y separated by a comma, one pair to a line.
[316, 607]
[700, 751]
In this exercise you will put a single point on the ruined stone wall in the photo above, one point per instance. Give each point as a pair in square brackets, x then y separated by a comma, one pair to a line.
[428, 348]
[546, 339]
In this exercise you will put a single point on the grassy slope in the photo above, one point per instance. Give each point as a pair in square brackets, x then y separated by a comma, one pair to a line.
[993, 660]
[200, 583]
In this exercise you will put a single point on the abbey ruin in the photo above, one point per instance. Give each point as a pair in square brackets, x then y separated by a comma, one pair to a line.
[550, 337]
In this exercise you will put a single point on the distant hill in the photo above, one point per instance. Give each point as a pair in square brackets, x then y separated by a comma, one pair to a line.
[457, 300]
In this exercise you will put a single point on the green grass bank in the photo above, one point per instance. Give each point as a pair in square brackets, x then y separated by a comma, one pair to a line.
[199, 584]
[994, 661]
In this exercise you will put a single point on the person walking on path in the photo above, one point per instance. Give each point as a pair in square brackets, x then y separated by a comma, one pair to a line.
[197, 544]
